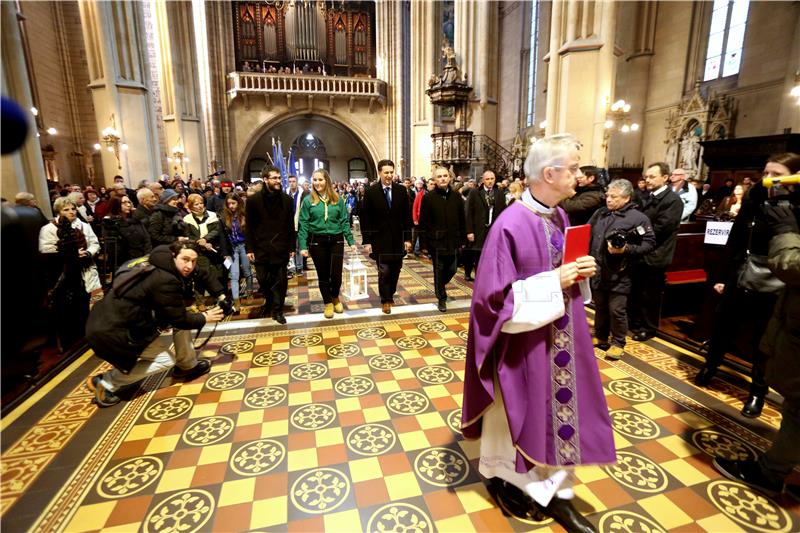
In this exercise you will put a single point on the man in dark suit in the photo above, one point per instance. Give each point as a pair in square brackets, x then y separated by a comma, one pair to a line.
[270, 240]
[443, 229]
[484, 205]
[386, 230]
[664, 209]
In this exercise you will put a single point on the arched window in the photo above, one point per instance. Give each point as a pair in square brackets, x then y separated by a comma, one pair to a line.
[725, 38]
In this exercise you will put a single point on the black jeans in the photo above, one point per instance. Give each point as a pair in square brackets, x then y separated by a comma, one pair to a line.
[645, 301]
[327, 251]
[388, 274]
[610, 315]
[444, 268]
[728, 319]
[273, 280]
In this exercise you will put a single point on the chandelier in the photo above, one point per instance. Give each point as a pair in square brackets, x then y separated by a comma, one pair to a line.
[111, 138]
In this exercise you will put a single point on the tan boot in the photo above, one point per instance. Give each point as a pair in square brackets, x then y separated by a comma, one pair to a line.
[328, 311]
[337, 305]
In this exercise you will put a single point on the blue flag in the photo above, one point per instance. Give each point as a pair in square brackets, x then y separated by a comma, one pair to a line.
[282, 167]
[292, 164]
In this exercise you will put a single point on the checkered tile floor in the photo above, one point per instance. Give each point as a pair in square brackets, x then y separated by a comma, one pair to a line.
[354, 427]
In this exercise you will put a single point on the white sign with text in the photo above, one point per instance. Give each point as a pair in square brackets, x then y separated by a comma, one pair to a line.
[717, 232]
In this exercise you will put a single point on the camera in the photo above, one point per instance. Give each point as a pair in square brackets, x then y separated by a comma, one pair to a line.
[619, 238]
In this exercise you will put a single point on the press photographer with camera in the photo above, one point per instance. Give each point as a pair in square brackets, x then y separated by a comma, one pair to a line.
[148, 297]
[620, 235]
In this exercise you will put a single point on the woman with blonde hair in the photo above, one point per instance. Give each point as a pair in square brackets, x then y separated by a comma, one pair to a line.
[202, 227]
[324, 226]
[233, 246]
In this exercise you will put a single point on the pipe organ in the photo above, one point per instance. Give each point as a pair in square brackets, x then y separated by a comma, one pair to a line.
[337, 38]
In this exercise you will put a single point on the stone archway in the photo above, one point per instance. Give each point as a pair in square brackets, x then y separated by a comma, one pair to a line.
[333, 131]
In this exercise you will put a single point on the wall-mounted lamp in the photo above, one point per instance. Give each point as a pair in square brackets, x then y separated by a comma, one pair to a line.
[111, 139]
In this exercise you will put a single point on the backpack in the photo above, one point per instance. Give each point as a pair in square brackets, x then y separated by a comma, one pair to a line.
[130, 274]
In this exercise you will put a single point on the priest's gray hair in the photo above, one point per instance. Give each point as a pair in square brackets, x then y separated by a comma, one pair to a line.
[549, 151]
[624, 187]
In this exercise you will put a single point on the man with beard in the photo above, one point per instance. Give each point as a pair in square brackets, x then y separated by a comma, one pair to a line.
[484, 205]
[270, 240]
[589, 197]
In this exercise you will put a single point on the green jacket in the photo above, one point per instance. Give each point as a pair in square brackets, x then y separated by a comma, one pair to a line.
[781, 340]
[313, 222]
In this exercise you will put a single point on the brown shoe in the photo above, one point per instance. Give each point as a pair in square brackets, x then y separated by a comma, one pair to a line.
[386, 308]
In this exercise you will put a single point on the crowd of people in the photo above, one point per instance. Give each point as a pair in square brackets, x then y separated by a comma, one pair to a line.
[214, 238]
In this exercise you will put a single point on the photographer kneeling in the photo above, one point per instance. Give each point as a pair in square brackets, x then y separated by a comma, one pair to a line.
[620, 234]
[124, 328]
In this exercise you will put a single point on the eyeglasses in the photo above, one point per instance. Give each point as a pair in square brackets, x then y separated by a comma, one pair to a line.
[574, 169]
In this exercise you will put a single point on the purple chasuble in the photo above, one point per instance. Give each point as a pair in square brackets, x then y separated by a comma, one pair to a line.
[551, 387]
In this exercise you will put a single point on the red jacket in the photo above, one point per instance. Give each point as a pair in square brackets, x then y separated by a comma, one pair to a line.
[417, 205]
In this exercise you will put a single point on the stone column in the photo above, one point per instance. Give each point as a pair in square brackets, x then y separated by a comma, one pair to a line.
[789, 115]
[219, 43]
[117, 61]
[632, 77]
[425, 51]
[22, 170]
[475, 45]
[180, 87]
[393, 44]
[581, 72]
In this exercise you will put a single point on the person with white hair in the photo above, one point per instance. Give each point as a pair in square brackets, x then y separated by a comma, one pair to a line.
[532, 389]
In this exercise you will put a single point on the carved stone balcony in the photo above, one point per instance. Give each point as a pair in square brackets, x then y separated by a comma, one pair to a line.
[310, 87]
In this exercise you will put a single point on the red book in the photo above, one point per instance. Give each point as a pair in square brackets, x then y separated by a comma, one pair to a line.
[576, 243]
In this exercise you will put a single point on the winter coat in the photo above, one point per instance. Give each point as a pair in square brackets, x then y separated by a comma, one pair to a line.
[614, 270]
[269, 232]
[781, 340]
[442, 221]
[142, 214]
[208, 228]
[477, 217]
[582, 206]
[386, 228]
[165, 225]
[125, 322]
[125, 238]
[664, 211]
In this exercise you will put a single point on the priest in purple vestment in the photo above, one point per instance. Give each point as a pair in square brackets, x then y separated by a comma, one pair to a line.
[532, 389]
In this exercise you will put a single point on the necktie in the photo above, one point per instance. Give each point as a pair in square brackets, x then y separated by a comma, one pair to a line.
[387, 191]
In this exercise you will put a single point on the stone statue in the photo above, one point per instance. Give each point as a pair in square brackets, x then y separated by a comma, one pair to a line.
[690, 148]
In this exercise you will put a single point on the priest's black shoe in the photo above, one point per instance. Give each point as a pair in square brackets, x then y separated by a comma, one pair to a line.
[749, 473]
[512, 500]
[643, 336]
[279, 318]
[704, 377]
[442, 305]
[753, 406]
[563, 512]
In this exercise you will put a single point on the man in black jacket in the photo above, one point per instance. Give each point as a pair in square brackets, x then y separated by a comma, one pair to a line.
[386, 230]
[589, 197]
[664, 209]
[124, 327]
[270, 241]
[484, 205]
[620, 235]
[443, 230]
